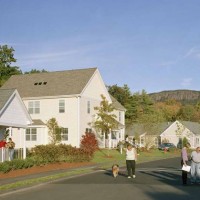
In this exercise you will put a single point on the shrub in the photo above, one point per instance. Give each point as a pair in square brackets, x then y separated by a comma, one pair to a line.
[89, 144]
[47, 153]
[57, 153]
[5, 167]
[17, 164]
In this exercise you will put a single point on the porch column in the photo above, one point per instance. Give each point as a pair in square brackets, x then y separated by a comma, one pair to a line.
[78, 121]
[24, 142]
[109, 140]
[104, 140]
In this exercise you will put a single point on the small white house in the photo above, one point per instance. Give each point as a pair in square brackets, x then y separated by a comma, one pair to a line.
[172, 132]
[13, 116]
[180, 129]
[69, 97]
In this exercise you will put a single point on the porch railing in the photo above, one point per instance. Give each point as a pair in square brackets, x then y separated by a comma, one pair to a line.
[4, 155]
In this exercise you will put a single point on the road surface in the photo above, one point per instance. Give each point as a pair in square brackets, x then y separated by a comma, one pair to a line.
[158, 180]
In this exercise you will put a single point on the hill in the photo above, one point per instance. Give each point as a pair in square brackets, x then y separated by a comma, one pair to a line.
[183, 96]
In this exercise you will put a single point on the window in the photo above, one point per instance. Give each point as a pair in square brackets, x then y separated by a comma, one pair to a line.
[88, 130]
[142, 141]
[61, 106]
[120, 116]
[197, 141]
[88, 107]
[156, 142]
[113, 135]
[64, 134]
[34, 107]
[31, 134]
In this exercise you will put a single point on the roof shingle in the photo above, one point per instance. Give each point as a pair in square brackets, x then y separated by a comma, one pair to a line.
[68, 82]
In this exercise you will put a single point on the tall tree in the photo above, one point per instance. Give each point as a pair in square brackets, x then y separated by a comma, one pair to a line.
[6, 59]
[106, 120]
[122, 94]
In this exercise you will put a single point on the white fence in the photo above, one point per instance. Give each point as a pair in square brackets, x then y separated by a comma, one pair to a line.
[4, 155]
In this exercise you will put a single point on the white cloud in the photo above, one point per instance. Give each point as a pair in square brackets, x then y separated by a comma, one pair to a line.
[193, 52]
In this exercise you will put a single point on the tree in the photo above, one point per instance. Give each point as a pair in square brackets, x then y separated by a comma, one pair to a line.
[34, 71]
[54, 131]
[122, 94]
[106, 120]
[170, 109]
[187, 113]
[6, 58]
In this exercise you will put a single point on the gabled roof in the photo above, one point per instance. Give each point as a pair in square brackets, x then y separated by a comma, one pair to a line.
[116, 103]
[194, 127]
[70, 82]
[139, 129]
[11, 106]
[5, 96]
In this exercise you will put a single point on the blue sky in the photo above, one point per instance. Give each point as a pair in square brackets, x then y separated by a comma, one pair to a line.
[147, 44]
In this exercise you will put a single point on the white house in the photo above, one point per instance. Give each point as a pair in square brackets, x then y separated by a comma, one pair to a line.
[180, 129]
[172, 132]
[69, 96]
[13, 116]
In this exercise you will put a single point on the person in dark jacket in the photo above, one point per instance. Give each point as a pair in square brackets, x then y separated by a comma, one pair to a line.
[184, 161]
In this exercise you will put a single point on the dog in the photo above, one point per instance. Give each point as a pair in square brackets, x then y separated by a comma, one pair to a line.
[115, 170]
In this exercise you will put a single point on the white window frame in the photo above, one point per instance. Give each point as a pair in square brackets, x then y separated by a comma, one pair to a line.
[34, 107]
[32, 133]
[88, 107]
[120, 116]
[88, 130]
[64, 133]
[61, 106]
[197, 141]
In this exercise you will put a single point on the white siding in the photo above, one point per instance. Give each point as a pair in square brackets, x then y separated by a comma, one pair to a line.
[95, 88]
[14, 115]
[172, 134]
[49, 108]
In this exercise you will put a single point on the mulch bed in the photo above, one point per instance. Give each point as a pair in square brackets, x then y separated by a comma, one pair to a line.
[39, 169]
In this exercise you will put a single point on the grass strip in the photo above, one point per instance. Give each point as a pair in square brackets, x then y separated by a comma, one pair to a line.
[40, 180]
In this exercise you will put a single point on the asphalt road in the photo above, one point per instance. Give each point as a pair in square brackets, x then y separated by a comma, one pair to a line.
[158, 180]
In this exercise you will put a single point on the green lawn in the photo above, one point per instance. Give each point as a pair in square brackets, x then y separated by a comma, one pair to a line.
[108, 157]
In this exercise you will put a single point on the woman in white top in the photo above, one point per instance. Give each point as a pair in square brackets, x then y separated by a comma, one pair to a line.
[131, 157]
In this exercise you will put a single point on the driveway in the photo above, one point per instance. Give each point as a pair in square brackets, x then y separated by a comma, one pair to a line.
[158, 180]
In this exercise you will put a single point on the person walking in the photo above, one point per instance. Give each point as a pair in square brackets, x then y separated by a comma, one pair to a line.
[184, 161]
[195, 166]
[131, 157]
[10, 145]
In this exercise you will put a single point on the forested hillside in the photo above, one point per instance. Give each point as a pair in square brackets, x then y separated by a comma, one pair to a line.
[183, 96]
[154, 108]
